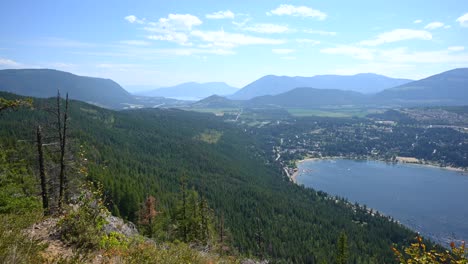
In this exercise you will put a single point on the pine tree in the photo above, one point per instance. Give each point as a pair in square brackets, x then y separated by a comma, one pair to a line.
[342, 249]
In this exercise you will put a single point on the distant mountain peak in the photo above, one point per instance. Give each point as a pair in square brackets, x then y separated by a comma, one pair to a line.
[273, 84]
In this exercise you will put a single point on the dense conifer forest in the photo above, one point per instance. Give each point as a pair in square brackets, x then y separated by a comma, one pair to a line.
[153, 151]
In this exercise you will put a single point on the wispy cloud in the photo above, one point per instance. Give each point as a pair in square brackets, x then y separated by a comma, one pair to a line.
[133, 19]
[398, 35]
[282, 51]
[267, 28]
[299, 11]
[456, 48]
[463, 20]
[144, 53]
[231, 40]
[135, 42]
[216, 51]
[241, 23]
[308, 41]
[8, 63]
[63, 43]
[173, 28]
[221, 15]
[172, 36]
[175, 22]
[417, 21]
[434, 25]
[401, 55]
[352, 51]
[404, 55]
[320, 32]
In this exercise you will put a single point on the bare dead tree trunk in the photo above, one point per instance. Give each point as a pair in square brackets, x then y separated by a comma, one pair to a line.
[59, 118]
[45, 197]
[63, 140]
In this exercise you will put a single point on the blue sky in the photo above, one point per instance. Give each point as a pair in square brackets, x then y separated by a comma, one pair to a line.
[161, 43]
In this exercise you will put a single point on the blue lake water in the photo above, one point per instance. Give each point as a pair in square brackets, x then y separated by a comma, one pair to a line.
[429, 200]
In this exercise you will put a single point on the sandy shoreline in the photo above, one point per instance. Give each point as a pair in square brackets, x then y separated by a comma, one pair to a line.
[415, 161]
[405, 160]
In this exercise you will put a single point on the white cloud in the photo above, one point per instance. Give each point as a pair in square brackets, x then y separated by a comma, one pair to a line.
[133, 19]
[282, 51]
[452, 55]
[177, 37]
[221, 15]
[8, 63]
[177, 22]
[230, 40]
[417, 21]
[447, 26]
[194, 51]
[320, 32]
[456, 48]
[64, 43]
[267, 28]
[463, 20]
[434, 25]
[242, 23]
[300, 11]
[135, 42]
[174, 28]
[398, 35]
[308, 41]
[355, 52]
[403, 55]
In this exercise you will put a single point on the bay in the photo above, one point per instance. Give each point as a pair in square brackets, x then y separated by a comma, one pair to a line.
[429, 200]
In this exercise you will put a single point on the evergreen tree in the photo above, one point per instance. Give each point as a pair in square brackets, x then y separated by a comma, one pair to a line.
[342, 249]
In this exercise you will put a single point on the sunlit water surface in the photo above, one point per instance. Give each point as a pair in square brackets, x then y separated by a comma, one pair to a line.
[429, 200]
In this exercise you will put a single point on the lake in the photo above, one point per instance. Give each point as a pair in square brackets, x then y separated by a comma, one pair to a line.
[429, 200]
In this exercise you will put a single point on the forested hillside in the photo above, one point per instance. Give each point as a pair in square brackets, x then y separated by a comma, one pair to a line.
[45, 83]
[151, 152]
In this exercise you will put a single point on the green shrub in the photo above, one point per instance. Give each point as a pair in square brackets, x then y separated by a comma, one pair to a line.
[417, 253]
[113, 241]
[15, 245]
[141, 251]
[83, 224]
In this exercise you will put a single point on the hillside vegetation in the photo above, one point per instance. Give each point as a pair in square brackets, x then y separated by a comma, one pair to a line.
[44, 83]
[196, 160]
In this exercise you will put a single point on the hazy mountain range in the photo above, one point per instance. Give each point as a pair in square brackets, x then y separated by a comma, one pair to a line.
[192, 90]
[447, 88]
[272, 85]
[44, 83]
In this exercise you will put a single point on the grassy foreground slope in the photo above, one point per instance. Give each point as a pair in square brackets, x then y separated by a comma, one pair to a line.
[136, 153]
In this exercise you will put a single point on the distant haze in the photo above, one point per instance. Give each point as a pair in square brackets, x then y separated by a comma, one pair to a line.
[191, 90]
[363, 83]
